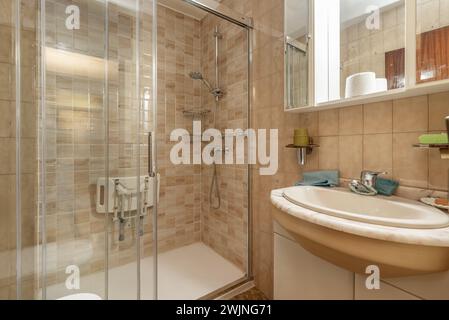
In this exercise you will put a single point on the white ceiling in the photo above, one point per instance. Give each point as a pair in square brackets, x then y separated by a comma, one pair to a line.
[354, 9]
[184, 8]
[176, 5]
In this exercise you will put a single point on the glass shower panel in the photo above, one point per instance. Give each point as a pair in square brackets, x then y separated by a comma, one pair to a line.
[74, 143]
[97, 190]
[26, 159]
[203, 210]
[147, 159]
[130, 121]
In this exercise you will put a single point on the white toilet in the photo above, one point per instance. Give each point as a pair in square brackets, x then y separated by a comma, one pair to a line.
[81, 296]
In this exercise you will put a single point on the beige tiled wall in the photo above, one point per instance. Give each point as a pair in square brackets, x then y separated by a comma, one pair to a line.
[379, 137]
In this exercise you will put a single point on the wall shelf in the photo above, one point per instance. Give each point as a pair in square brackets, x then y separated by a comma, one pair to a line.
[303, 151]
[431, 146]
[310, 146]
[418, 90]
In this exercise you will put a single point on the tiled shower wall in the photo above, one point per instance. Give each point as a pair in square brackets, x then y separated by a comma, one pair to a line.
[225, 229]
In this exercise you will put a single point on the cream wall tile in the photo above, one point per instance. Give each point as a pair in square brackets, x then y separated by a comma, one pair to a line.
[438, 111]
[7, 198]
[6, 7]
[7, 156]
[328, 153]
[309, 121]
[378, 117]
[6, 49]
[391, 37]
[410, 165]
[328, 123]
[438, 171]
[390, 19]
[6, 77]
[427, 17]
[378, 152]
[7, 119]
[351, 156]
[444, 13]
[411, 115]
[351, 120]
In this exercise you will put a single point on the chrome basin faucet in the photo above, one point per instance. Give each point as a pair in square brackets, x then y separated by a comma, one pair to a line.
[366, 186]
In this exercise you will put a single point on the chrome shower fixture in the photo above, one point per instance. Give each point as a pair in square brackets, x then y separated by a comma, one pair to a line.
[216, 92]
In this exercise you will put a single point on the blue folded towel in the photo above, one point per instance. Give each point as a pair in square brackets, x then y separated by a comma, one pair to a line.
[320, 179]
[386, 187]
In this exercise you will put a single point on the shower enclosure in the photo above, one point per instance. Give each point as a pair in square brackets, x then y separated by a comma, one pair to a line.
[90, 94]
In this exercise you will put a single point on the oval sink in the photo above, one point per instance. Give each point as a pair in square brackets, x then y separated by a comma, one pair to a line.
[375, 210]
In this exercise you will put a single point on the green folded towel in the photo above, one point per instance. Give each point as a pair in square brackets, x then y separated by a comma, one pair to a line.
[386, 187]
[441, 138]
[320, 179]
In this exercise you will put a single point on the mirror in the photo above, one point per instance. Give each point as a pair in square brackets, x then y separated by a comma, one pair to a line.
[372, 46]
[296, 53]
[360, 47]
[432, 36]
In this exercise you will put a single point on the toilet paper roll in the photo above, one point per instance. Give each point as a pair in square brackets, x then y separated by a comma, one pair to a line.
[360, 84]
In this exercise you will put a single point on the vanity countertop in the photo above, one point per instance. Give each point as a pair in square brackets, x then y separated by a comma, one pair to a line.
[427, 237]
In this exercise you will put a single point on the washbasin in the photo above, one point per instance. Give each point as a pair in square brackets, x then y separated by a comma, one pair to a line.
[375, 210]
[402, 237]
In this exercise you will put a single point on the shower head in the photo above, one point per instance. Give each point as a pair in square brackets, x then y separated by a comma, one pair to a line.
[199, 76]
[196, 75]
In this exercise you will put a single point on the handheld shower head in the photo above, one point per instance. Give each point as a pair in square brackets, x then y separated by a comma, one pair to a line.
[199, 76]
[196, 75]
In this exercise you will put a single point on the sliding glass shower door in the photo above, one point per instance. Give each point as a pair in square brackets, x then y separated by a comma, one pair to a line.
[96, 113]
[93, 204]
